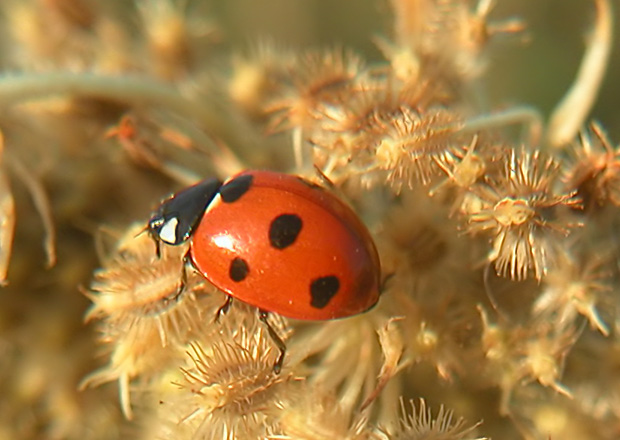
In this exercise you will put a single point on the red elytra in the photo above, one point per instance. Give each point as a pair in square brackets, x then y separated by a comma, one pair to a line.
[284, 245]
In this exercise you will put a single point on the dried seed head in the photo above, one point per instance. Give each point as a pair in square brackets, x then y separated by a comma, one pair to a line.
[522, 209]
[469, 168]
[418, 247]
[257, 78]
[405, 64]
[414, 142]
[400, 142]
[312, 414]
[524, 352]
[174, 36]
[418, 244]
[418, 423]
[144, 318]
[573, 288]
[342, 355]
[544, 358]
[230, 389]
[595, 169]
[137, 289]
[317, 80]
[51, 33]
[357, 132]
[445, 39]
[353, 121]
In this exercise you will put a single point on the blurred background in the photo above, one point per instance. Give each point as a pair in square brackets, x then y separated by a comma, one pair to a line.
[92, 187]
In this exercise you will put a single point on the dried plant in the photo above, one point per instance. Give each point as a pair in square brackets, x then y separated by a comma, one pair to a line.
[499, 310]
[521, 208]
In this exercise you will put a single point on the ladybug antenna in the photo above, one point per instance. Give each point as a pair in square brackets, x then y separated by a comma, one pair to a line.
[224, 308]
[155, 239]
[142, 231]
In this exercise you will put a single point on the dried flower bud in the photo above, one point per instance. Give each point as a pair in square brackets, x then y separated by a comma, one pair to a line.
[256, 78]
[573, 288]
[174, 36]
[310, 413]
[318, 79]
[145, 318]
[522, 209]
[230, 389]
[420, 424]
[522, 352]
[595, 169]
[414, 142]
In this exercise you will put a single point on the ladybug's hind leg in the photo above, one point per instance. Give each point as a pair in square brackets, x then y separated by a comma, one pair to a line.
[224, 308]
[264, 317]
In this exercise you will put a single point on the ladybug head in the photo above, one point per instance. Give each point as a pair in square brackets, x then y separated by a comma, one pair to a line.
[177, 216]
[164, 226]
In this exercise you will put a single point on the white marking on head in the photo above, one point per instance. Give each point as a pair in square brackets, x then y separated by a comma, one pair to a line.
[168, 232]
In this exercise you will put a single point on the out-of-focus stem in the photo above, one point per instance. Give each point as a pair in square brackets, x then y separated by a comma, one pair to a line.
[569, 115]
[529, 117]
[7, 220]
[132, 90]
[41, 203]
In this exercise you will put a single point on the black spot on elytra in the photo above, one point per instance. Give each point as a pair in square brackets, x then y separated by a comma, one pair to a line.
[322, 290]
[238, 270]
[233, 190]
[284, 230]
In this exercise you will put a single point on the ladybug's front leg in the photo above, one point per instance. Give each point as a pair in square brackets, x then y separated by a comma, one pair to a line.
[264, 317]
[157, 247]
[155, 238]
[186, 260]
[183, 280]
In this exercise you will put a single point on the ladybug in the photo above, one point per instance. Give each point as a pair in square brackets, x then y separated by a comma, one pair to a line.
[277, 242]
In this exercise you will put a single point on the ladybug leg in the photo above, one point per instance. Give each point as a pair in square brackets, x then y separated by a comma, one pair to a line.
[186, 260]
[264, 317]
[156, 240]
[157, 248]
[224, 308]
[182, 285]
